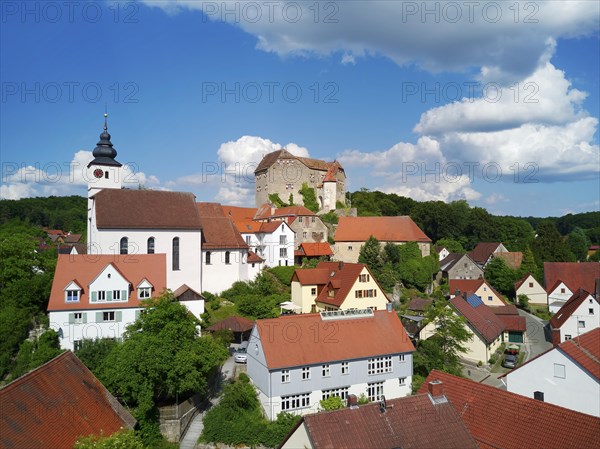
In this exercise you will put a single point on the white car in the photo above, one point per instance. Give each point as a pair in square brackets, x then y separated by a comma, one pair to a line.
[241, 354]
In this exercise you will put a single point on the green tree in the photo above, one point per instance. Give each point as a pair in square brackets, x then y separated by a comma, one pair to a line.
[93, 352]
[451, 245]
[578, 243]
[528, 264]
[332, 403]
[309, 198]
[523, 301]
[595, 257]
[370, 255]
[256, 306]
[501, 276]
[123, 439]
[37, 352]
[549, 246]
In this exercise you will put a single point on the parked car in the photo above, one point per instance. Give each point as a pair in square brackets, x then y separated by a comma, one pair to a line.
[241, 353]
[510, 361]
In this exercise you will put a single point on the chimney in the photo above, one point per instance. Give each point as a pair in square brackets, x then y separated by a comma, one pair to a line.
[464, 295]
[436, 388]
[352, 401]
[389, 307]
[457, 292]
[340, 265]
[555, 337]
[272, 210]
[539, 395]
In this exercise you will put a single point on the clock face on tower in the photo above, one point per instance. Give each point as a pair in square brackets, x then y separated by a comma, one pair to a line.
[98, 173]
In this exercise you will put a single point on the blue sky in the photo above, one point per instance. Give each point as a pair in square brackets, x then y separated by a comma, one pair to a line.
[407, 100]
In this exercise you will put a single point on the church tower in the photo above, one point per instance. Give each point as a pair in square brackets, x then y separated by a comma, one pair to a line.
[103, 172]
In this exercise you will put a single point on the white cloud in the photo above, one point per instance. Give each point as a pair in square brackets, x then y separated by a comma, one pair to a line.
[62, 179]
[507, 39]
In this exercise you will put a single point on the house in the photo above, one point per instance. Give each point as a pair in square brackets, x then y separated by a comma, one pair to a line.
[531, 288]
[99, 296]
[442, 252]
[353, 232]
[282, 173]
[295, 361]
[503, 420]
[224, 251]
[336, 285]
[512, 259]
[486, 328]
[480, 287]
[312, 251]
[238, 325]
[515, 325]
[77, 248]
[459, 266]
[389, 424]
[567, 375]
[271, 240]
[580, 314]
[484, 251]
[419, 305]
[562, 279]
[55, 404]
[306, 225]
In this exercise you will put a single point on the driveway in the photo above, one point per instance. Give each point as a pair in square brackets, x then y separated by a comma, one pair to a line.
[536, 341]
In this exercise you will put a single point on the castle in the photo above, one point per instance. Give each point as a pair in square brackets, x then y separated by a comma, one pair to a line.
[282, 173]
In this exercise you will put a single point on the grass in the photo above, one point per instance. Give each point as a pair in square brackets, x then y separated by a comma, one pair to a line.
[541, 312]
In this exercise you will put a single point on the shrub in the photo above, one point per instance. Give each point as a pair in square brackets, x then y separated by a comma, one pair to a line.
[332, 403]
[480, 363]
[309, 197]
[493, 360]
[283, 274]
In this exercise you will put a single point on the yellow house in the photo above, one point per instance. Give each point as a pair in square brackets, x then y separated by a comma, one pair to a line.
[531, 288]
[480, 287]
[336, 286]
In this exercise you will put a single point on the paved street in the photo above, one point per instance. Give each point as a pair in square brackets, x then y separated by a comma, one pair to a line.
[536, 338]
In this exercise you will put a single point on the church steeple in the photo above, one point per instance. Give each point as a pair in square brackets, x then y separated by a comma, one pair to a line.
[104, 153]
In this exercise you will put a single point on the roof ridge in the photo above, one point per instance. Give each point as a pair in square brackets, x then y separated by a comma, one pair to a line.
[35, 371]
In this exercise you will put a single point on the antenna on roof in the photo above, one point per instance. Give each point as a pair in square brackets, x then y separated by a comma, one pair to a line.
[382, 404]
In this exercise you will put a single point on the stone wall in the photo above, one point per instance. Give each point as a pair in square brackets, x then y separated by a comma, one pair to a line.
[175, 419]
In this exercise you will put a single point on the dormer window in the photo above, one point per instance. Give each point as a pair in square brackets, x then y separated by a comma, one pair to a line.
[144, 289]
[72, 292]
[150, 245]
[124, 245]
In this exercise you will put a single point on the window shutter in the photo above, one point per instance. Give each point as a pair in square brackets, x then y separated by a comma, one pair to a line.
[124, 295]
[71, 318]
[94, 296]
[99, 317]
[84, 315]
[109, 295]
[118, 316]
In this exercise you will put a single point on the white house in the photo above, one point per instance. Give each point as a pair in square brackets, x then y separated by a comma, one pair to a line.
[442, 252]
[580, 314]
[567, 375]
[99, 296]
[531, 288]
[337, 285]
[296, 361]
[562, 279]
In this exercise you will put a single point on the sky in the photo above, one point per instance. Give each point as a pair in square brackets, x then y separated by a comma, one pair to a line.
[493, 102]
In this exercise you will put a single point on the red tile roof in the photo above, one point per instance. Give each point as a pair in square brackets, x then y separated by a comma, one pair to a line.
[233, 323]
[83, 269]
[218, 231]
[452, 259]
[585, 350]
[567, 309]
[73, 238]
[402, 425]
[513, 323]
[330, 176]
[575, 275]
[513, 259]
[53, 405]
[483, 251]
[342, 277]
[146, 209]
[384, 229]
[311, 276]
[503, 420]
[270, 158]
[481, 318]
[509, 309]
[239, 213]
[264, 212]
[419, 304]
[254, 258]
[314, 249]
[470, 285]
[307, 339]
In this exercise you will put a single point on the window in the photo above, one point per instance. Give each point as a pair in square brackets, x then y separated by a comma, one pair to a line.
[350, 248]
[531, 285]
[341, 393]
[124, 245]
[326, 371]
[364, 278]
[559, 371]
[306, 373]
[282, 252]
[345, 368]
[285, 376]
[581, 324]
[567, 337]
[207, 258]
[313, 219]
[375, 391]
[591, 301]
[144, 292]
[380, 365]
[77, 344]
[304, 235]
[295, 402]
[562, 290]
[101, 295]
[227, 257]
[401, 358]
[78, 318]
[358, 294]
[313, 291]
[150, 245]
[108, 316]
[490, 298]
[591, 311]
[72, 295]
[282, 239]
[248, 238]
[402, 381]
[116, 295]
[299, 219]
[175, 255]
[106, 174]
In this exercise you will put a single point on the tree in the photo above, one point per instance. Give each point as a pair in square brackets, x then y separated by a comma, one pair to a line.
[523, 301]
[549, 246]
[161, 357]
[93, 352]
[37, 352]
[501, 276]
[578, 243]
[451, 245]
[595, 257]
[256, 306]
[370, 255]
[528, 264]
[309, 198]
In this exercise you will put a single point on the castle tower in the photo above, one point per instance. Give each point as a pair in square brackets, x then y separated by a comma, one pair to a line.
[103, 172]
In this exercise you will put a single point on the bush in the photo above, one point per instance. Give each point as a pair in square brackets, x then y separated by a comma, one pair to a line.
[480, 363]
[493, 360]
[330, 217]
[121, 439]
[363, 399]
[332, 403]
[309, 197]
[284, 274]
